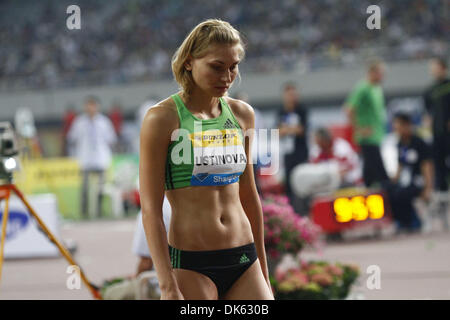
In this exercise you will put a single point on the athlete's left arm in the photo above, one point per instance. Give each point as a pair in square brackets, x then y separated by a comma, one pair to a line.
[247, 187]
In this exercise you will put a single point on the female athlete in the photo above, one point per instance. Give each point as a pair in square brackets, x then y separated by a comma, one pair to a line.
[193, 149]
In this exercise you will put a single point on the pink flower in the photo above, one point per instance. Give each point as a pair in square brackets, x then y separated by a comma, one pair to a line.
[303, 264]
[274, 253]
[281, 219]
[334, 270]
[324, 279]
[301, 277]
[296, 277]
[279, 274]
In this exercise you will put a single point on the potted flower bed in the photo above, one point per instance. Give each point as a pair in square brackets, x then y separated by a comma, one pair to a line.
[286, 232]
[314, 280]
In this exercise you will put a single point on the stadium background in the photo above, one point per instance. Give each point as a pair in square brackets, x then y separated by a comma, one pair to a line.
[122, 54]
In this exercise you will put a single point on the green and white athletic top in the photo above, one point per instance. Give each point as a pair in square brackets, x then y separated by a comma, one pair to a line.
[205, 152]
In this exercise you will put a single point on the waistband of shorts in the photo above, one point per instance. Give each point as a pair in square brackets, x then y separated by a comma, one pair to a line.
[207, 258]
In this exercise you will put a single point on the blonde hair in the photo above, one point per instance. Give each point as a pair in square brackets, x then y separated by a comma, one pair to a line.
[208, 32]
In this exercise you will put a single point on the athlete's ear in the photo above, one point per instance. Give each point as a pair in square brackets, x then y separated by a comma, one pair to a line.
[188, 64]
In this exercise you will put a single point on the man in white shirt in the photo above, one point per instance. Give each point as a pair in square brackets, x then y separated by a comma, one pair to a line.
[330, 149]
[93, 136]
[333, 164]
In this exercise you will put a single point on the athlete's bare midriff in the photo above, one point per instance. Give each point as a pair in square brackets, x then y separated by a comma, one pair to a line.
[208, 218]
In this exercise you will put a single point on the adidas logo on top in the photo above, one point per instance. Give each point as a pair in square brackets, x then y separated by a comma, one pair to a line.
[244, 259]
[228, 124]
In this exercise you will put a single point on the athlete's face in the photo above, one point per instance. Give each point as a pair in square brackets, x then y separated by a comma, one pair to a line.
[215, 72]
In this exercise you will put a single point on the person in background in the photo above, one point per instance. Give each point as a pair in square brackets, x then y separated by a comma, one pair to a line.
[414, 177]
[68, 118]
[292, 125]
[259, 124]
[93, 136]
[437, 104]
[328, 148]
[116, 117]
[365, 107]
[140, 247]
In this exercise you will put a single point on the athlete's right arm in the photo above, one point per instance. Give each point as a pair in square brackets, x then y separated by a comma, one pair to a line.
[155, 136]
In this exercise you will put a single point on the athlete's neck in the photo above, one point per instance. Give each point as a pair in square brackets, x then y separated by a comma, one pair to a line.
[199, 102]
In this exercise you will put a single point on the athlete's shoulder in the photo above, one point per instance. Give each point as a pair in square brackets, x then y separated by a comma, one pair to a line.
[243, 111]
[162, 114]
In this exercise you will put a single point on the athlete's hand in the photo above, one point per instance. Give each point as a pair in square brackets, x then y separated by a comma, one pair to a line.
[172, 294]
[270, 287]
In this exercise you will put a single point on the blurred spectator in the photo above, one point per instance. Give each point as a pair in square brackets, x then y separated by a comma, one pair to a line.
[437, 103]
[93, 136]
[140, 246]
[122, 42]
[259, 124]
[293, 125]
[116, 117]
[327, 148]
[366, 110]
[414, 176]
[68, 118]
[332, 164]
